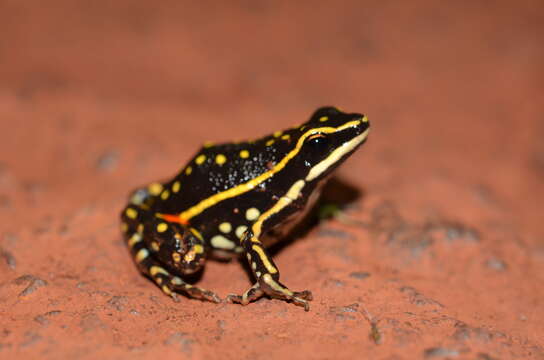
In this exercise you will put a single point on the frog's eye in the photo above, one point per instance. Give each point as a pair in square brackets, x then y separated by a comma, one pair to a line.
[318, 141]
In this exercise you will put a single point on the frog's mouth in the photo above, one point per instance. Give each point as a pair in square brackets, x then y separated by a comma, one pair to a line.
[338, 154]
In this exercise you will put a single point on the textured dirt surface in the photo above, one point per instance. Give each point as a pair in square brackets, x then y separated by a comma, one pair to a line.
[439, 255]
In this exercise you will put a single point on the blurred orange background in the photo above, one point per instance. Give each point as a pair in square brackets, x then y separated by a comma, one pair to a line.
[99, 97]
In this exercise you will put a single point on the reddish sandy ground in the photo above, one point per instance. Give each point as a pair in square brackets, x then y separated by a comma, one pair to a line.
[441, 254]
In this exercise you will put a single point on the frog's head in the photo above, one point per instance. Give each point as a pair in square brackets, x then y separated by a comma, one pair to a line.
[326, 140]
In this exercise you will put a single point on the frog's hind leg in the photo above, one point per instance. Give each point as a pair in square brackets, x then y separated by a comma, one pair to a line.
[267, 275]
[152, 247]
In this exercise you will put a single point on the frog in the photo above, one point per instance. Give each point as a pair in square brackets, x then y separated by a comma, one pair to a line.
[235, 199]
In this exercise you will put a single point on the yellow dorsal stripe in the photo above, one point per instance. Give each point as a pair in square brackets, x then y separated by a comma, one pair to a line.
[249, 185]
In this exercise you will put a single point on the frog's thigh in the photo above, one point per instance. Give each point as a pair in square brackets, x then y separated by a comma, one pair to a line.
[145, 237]
[169, 283]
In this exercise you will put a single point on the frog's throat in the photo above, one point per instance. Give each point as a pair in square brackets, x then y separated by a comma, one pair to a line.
[194, 210]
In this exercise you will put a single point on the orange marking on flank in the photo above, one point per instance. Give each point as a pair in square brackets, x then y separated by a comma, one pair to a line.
[173, 219]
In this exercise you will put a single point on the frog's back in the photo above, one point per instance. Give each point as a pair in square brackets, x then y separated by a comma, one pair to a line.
[218, 168]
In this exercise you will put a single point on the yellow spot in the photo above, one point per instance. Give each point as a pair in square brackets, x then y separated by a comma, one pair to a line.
[200, 159]
[166, 290]
[364, 119]
[131, 213]
[188, 170]
[140, 228]
[252, 214]
[176, 257]
[240, 230]
[269, 142]
[162, 227]
[154, 189]
[208, 144]
[221, 242]
[225, 227]
[254, 265]
[158, 280]
[323, 118]
[165, 194]
[134, 239]
[154, 270]
[266, 262]
[175, 187]
[141, 255]
[278, 133]
[155, 246]
[124, 227]
[220, 159]
[244, 154]
[286, 137]
[199, 249]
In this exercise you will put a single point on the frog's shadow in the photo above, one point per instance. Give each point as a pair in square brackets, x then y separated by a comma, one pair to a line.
[336, 193]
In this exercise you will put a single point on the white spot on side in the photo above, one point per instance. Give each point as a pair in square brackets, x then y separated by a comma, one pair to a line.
[141, 255]
[225, 227]
[254, 265]
[252, 214]
[134, 239]
[221, 242]
[176, 281]
[240, 230]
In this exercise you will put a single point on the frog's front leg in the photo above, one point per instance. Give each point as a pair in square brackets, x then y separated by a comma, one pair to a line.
[267, 275]
[157, 246]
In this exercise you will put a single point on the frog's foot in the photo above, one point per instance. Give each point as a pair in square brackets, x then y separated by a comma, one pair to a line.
[171, 285]
[267, 285]
[252, 294]
[178, 285]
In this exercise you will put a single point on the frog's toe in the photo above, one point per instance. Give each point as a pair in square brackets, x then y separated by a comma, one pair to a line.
[202, 294]
[235, 299]
[306, 295]
[301, 301]
[275, 289]
[250, 295]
